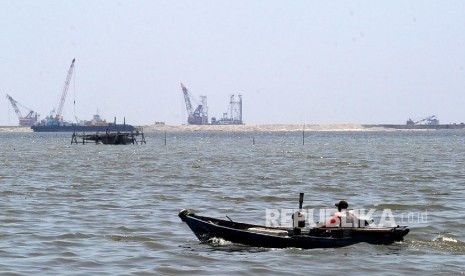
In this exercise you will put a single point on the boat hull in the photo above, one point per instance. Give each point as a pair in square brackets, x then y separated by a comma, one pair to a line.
[79, 128]
[206, 228]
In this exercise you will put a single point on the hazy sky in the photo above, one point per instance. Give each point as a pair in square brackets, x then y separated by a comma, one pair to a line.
[314, 62]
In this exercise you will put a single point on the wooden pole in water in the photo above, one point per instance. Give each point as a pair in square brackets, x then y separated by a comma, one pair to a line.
[303, 135]
[253, 141]
[165, 138]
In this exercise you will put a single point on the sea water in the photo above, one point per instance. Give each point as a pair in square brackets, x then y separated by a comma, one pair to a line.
[113, 210]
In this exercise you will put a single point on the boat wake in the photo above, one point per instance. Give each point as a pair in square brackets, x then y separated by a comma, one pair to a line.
[440, 243]
[219, 242]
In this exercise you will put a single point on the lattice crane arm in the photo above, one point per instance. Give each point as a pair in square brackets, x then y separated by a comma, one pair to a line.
[65, 91]
[187, 100]
[15, 107]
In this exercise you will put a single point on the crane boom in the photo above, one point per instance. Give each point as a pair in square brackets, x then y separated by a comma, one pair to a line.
[199, 116]
[15, 107]
[65, 91]
[31, 117]
[187, 100]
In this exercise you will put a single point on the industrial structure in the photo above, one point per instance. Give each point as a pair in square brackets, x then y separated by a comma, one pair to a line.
[55, 123]
[431, 120]
[55, 118]
[234, 114]
[109, 138]
[30, 119]
[199, 116]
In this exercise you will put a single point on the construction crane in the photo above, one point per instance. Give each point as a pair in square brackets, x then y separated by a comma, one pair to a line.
[199, 116]
[431, 120]
[234, 114]
[187, 100]
[58, 116]
[29, 120]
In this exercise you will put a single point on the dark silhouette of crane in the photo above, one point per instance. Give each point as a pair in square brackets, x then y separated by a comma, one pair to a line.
[199, 116]
[431, 120]
[58, 118]
[30, 119]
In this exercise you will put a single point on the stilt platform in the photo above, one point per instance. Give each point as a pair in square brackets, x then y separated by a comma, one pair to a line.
[109, 138]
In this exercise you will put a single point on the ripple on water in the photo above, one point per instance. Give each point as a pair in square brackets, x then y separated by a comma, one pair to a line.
[95, 209]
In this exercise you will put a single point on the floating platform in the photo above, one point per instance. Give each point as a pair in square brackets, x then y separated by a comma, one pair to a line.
[109, 138]
[406, 126]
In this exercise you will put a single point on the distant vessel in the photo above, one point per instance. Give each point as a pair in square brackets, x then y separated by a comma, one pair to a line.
[78, 128]
[419, 127]
[431, 122]
[234, 114]
[28, 120]
[96, 125]
[199, 116]
[55, 123]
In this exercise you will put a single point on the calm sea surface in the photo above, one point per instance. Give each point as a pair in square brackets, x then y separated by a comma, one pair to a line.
[113, 210]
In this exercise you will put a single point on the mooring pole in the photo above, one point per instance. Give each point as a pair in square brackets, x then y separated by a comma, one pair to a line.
[253, 141]
[165, 138]
[303, 135]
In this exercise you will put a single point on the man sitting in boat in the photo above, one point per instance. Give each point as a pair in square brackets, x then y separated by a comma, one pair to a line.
[344, 218]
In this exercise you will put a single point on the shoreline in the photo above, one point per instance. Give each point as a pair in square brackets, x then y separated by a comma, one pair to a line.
[273, 128]
[257, 128]
[236, 128]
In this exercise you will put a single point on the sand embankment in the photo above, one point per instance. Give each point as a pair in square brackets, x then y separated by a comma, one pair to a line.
[270, 127]
[15, 129]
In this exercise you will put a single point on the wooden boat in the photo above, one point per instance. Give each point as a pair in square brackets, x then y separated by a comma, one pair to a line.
[207, 228]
